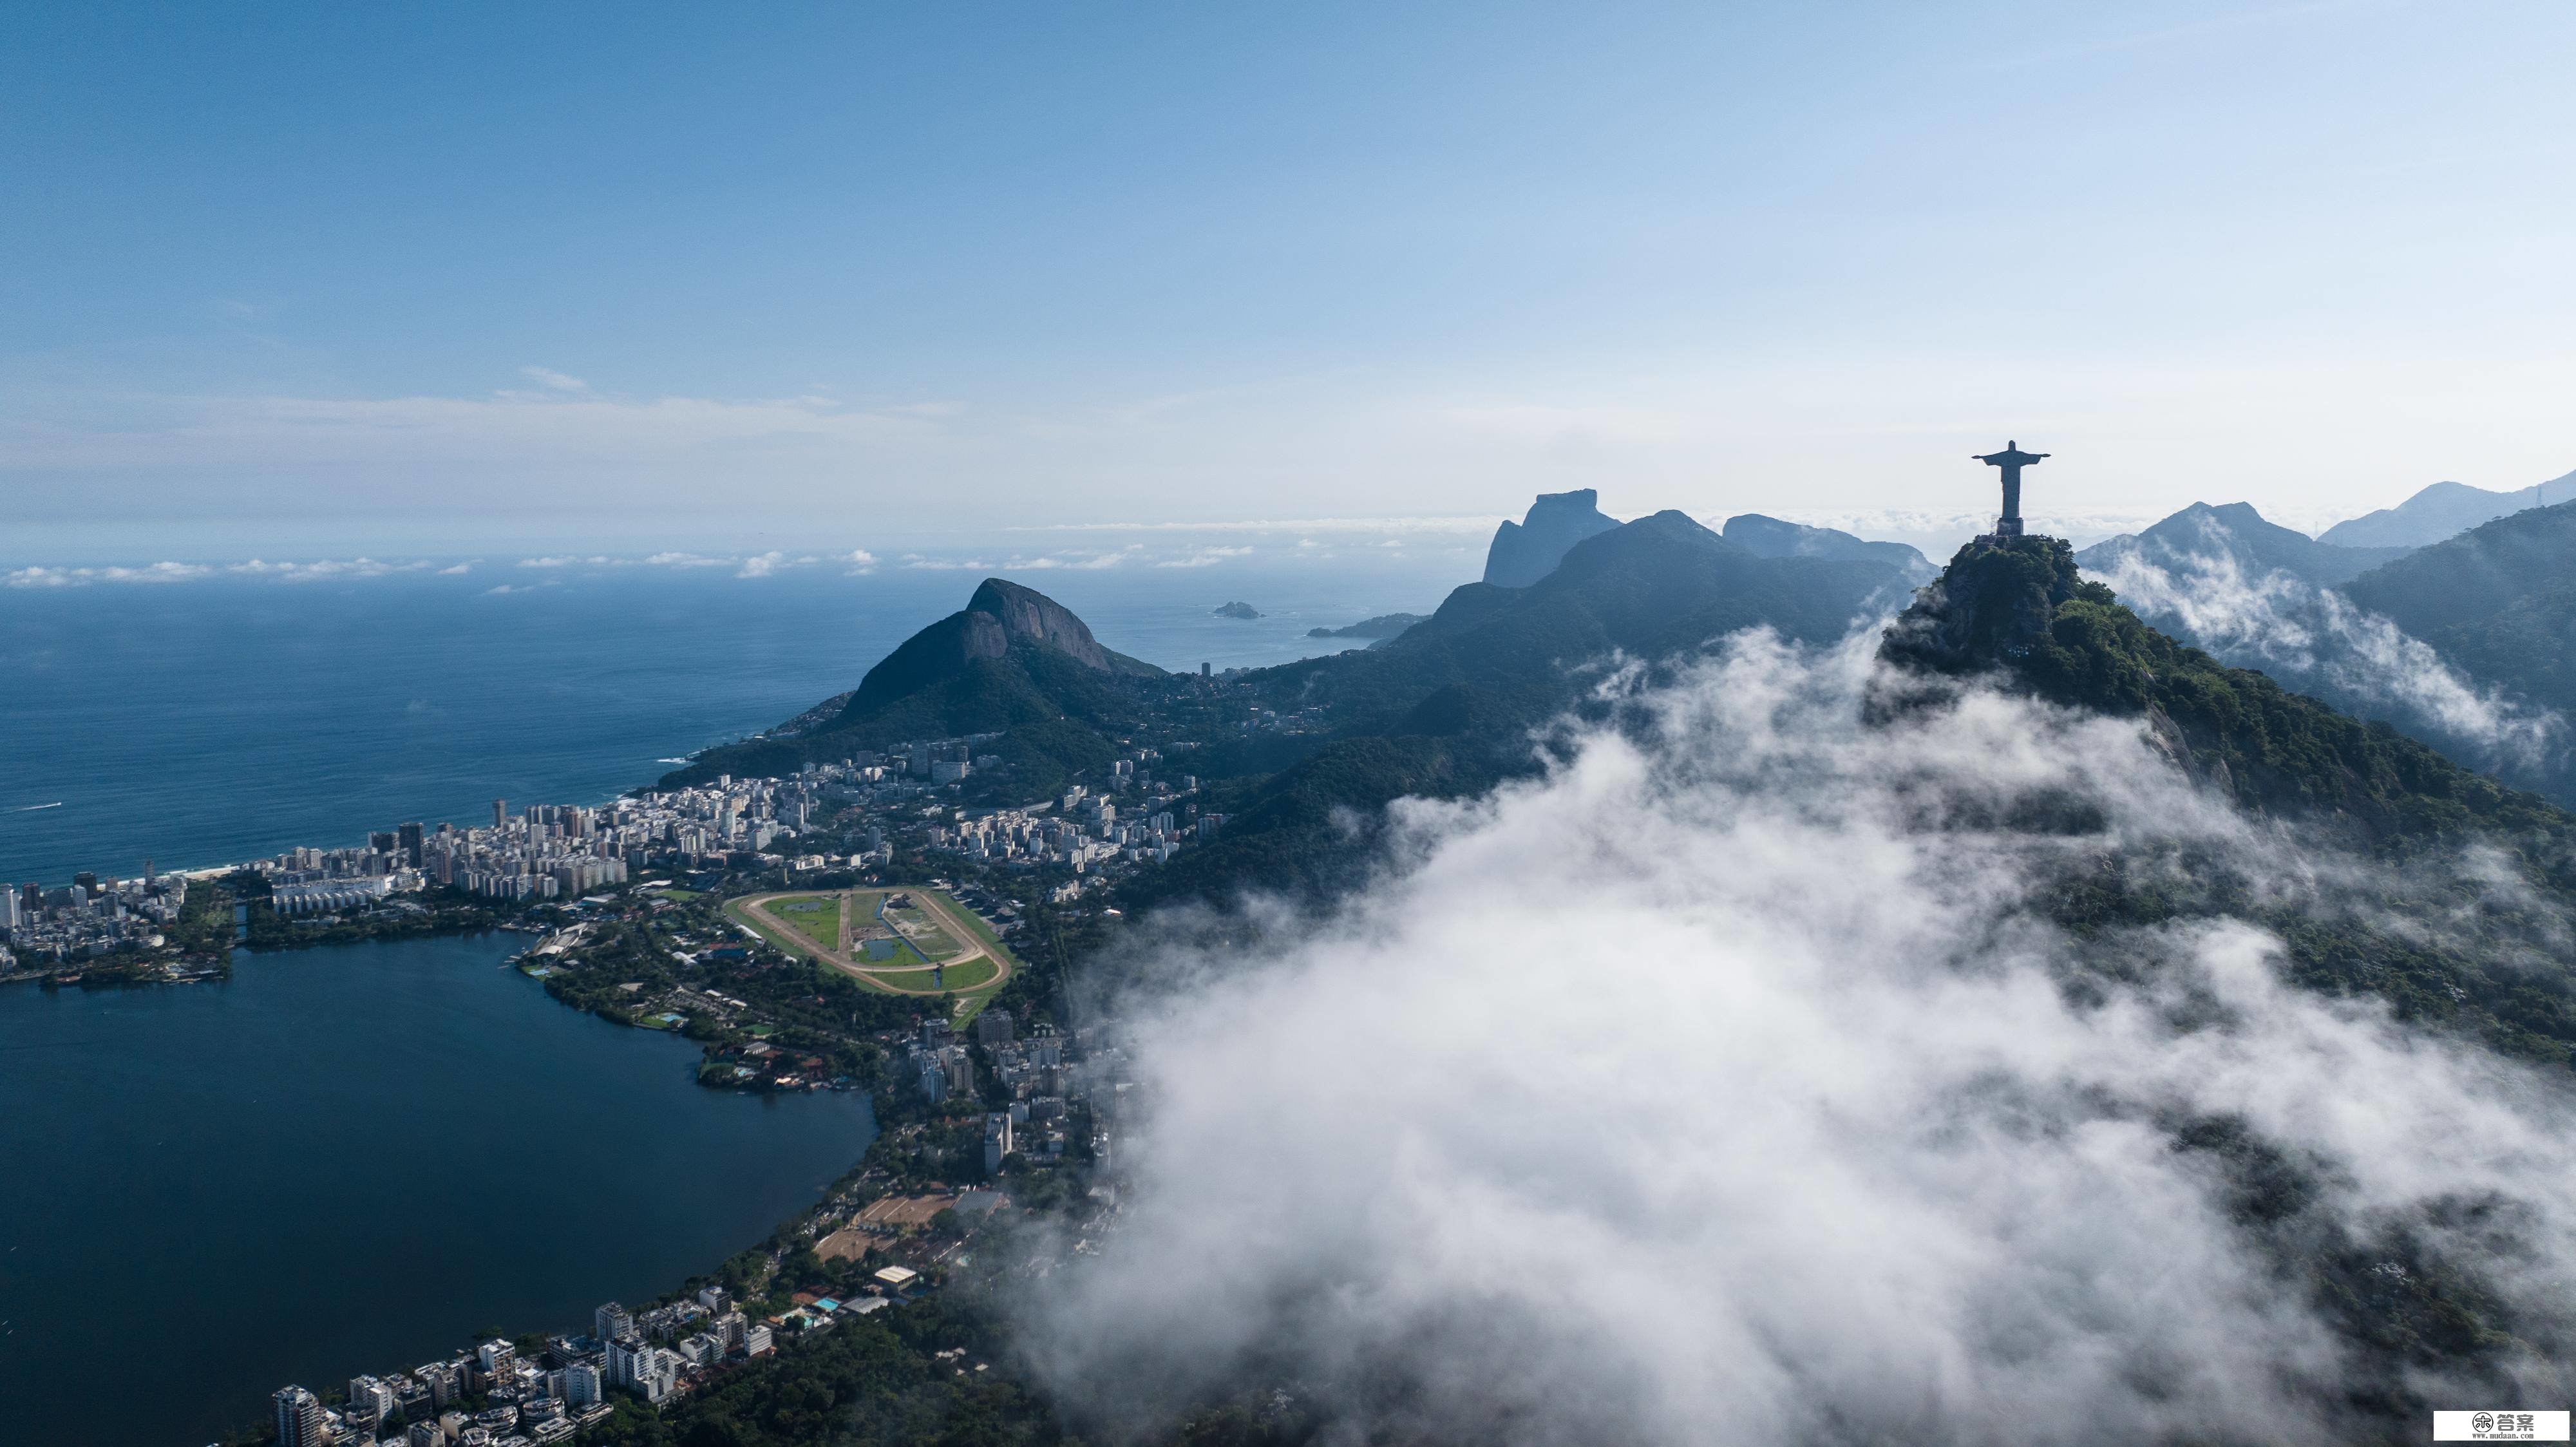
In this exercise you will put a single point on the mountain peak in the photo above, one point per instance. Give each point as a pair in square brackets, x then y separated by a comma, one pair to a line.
[1991, 605]
[1005, 626]
[1023, 612]
[2443, 510]
[2020, 609]
[2204, 536]
[1524, 552]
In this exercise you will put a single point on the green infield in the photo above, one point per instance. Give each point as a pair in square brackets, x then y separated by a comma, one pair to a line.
[815, 916]
[954, 979]
[784, 939]
[925, 932]
[886, 952]
[969, 975]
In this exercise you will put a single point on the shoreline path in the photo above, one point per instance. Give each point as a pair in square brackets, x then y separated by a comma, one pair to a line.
[940, 911]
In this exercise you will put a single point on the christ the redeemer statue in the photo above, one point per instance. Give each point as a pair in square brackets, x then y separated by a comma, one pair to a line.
[2012, 460]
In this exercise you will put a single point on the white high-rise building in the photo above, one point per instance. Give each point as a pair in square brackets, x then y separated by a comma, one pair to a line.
[299, 1418]
[625, 1360]
[581, 1385]
[610, 1322]
[997, 1142]
[657, 1373]
[371, 1395]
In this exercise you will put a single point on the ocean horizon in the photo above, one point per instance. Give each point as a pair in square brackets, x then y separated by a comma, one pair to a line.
[227, 714]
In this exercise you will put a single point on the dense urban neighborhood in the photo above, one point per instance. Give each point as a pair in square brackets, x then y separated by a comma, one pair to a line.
[635, 910]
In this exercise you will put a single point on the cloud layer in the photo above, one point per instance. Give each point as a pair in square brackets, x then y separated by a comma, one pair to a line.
[323, 570]
[2316, 640]
[1722, 1089]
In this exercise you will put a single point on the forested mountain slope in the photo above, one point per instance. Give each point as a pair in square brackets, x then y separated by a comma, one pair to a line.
[1446, 709]
[2498, 601]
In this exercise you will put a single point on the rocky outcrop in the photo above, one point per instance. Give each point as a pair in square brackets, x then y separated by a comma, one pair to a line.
[1989, 606]
[1001, 611]
[1526, 551]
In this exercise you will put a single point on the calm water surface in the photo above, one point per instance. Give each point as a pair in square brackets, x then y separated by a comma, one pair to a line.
[213, 721]
[349, 1159]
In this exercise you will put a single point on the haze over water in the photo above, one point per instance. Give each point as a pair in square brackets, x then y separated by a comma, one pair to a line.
[216, 720]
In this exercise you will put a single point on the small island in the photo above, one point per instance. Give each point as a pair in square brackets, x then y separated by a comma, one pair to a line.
[1385, 625]
[1238, 610]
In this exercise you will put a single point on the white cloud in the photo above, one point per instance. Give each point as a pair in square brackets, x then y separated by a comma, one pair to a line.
[1720, 1090]
[457, 570]
[1475, 526]
[2316, 638]
[326, 569]
[554, 379]
[1205, 558]
[1087, 561]
[165, 572]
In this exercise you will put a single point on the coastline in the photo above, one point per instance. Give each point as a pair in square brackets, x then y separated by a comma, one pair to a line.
[346, 1070]
[909, 1131]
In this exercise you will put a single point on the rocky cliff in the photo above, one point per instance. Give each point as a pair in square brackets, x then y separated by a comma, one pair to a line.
[1526, 551]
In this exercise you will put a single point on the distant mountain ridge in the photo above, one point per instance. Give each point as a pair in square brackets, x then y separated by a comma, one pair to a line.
[1385, 625]
[2429, 648]
[1524, 552]
[1770, 537]
[2444, 510]
[2498, 601]
[2236, 532]
[1445, 708]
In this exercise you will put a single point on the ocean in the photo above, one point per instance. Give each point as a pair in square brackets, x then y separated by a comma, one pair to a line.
[230, 715]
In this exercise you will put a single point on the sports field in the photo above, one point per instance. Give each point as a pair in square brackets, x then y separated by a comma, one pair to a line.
[905, 940]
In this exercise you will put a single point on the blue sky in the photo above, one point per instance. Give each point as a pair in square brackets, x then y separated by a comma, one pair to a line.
[458, 276]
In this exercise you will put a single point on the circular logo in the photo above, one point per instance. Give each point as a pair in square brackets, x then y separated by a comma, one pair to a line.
[2482, 1422]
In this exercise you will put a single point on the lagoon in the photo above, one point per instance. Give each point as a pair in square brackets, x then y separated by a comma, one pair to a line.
[349, 1159]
